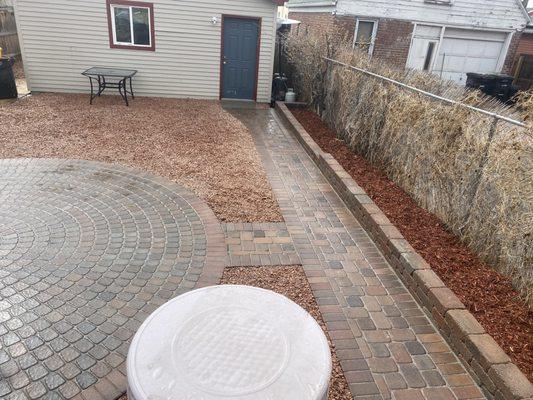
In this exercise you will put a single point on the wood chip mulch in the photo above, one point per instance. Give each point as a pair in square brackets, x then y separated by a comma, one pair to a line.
[291, 282]
[488, 295]
[195, 143]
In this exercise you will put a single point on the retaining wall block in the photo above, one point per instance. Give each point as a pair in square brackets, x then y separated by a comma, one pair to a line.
[483, 376]
[413, 262]
[443, 299]
[511, 382]
[463, 323]
[486, 351]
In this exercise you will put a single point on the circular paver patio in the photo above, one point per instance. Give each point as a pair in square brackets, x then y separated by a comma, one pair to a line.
[87, 252]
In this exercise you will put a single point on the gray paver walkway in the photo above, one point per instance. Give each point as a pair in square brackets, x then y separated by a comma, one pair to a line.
[387, 345]
[87, 252]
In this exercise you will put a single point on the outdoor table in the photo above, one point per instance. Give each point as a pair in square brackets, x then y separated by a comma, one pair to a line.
[107, 78]
[229, 342]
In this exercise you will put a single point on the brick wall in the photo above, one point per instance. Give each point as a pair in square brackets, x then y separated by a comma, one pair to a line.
[512, 54]
[346, 25]
[393, 40]
[318, 22]
[525, 44]
[393, 37]
[524, 47]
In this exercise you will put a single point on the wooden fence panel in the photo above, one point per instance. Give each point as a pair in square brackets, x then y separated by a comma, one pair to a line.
[8, 31]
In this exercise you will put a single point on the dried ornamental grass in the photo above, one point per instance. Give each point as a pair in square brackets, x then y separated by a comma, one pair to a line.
[477, 177]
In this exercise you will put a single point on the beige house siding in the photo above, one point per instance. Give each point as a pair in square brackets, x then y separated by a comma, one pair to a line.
[62, 38]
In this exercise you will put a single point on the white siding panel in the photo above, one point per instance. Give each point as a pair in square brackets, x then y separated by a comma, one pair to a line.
[64, 37]
[494, 14]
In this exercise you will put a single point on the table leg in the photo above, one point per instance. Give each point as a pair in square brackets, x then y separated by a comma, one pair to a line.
[123, 91]
[102, 84]
[91, 81]
[131, 90]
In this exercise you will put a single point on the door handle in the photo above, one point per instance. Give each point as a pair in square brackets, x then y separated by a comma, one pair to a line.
[224, 60]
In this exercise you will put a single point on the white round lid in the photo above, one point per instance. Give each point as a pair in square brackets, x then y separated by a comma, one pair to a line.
[229, 342]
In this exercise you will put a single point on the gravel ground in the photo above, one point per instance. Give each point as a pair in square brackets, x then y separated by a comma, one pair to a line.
[195, 143]
[291, 282]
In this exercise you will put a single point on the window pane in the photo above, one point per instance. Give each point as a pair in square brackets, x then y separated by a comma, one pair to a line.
[122, 24]
[364, 32]
[141, 26]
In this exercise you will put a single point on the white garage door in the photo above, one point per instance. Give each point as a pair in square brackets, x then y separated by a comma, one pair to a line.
[465, 51]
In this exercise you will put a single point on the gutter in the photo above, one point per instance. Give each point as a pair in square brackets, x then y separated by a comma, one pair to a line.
[314, 4]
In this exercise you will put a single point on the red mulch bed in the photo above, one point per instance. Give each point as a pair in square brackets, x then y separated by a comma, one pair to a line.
[486, 293]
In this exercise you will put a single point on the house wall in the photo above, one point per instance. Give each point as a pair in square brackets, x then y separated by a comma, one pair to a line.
[524, 72]
[62, 38]
[319, 21]
[493, 14]
[393, 40]
[393, 37]
[525, 44]
[512, 53]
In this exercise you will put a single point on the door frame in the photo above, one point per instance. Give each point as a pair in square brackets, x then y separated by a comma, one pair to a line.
[260, 23]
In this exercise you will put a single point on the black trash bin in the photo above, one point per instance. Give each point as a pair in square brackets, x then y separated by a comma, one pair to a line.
[498, 86]
[8, 86]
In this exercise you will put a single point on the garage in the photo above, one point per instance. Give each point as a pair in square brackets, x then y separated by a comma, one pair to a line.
[451, 52]
[465, 51]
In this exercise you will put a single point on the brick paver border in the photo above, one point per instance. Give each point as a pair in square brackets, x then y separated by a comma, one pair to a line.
[479, 352]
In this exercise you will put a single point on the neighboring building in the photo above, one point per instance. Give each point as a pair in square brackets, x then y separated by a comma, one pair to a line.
[447, 37]
[523, 67]
[283, 12]
[206, 49]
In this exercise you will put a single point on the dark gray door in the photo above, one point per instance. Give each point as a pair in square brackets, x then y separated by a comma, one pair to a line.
[239, 58]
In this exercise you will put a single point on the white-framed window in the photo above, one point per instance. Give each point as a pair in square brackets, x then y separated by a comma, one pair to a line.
[131, 25]
[365, 34]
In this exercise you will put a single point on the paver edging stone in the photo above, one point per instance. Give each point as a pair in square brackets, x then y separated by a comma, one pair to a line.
[483, 357]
